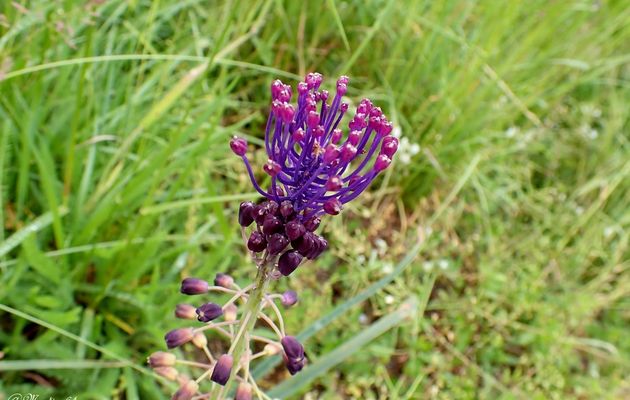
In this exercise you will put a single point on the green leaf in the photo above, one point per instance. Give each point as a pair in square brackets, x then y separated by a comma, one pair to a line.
[291, 386]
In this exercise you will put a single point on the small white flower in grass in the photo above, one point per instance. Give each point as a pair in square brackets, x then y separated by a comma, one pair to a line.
[389, 299]
[387, 268]
[579, 210]
[406, 148]
[443, 264]
[381, 245]
[609, 231]
[361, 259]
[511, 132]
[363, 319]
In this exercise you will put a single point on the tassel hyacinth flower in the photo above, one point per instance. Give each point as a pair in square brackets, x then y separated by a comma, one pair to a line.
[315, 166]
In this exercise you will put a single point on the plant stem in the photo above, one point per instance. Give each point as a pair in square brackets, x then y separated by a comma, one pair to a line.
[240, 344]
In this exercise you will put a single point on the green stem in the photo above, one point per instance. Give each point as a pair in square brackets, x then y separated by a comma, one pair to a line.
[248, 320]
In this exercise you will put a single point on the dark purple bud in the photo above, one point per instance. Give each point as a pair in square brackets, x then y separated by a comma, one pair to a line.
[162, 359]
[222, 370]
[348, 152]
[289, 298]
[223, 280]
[292, 348]
[320, 244]
[192, 286]
[272, 207]
[294, 366]
[276, 243]
[343, 79]
[186, 391]
[271, 225]
[288, 262]
[336, 136]
[286, 209]
[178, 337]
[272, 168]
[245, 217]
[209, 311]
[324, 95]
[238, 146]
[333, 206]
[312, 224]
[259, 213]
[343, 107]
[294, 229]
[243, 392]
[185, 311]
[304, 244]
[256, 242]
[382, 162]
[334, 183]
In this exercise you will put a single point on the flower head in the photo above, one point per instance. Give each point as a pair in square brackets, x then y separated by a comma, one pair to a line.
[313, 170]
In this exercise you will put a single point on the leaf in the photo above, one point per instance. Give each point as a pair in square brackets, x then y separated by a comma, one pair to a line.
[357, 343]
[39, 223]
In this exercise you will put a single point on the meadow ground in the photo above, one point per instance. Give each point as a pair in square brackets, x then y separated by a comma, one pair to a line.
[503, 223]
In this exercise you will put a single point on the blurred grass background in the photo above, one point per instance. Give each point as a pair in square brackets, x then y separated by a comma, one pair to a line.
[116, 181]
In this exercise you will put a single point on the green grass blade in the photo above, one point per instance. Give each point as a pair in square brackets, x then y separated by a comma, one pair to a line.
[43, 365]
[291, 386]
[38, 224]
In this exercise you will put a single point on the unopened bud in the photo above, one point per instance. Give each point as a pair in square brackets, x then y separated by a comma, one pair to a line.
[230, 312]
[169, 373]
[186, 391]
[161, 359]
[200, 340]
[222, 370]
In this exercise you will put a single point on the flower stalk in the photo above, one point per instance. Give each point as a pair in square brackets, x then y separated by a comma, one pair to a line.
[240, 344]
[315, 169]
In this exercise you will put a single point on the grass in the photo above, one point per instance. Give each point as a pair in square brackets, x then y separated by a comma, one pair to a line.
[115, 183]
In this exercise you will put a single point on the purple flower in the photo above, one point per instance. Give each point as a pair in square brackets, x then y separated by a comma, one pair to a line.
[194, 286]
[289, 298]
[209, 311]
[288, 262]
[178, 337]
[313, 170]
[292, 348]
[294, 358]
[222, 370]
